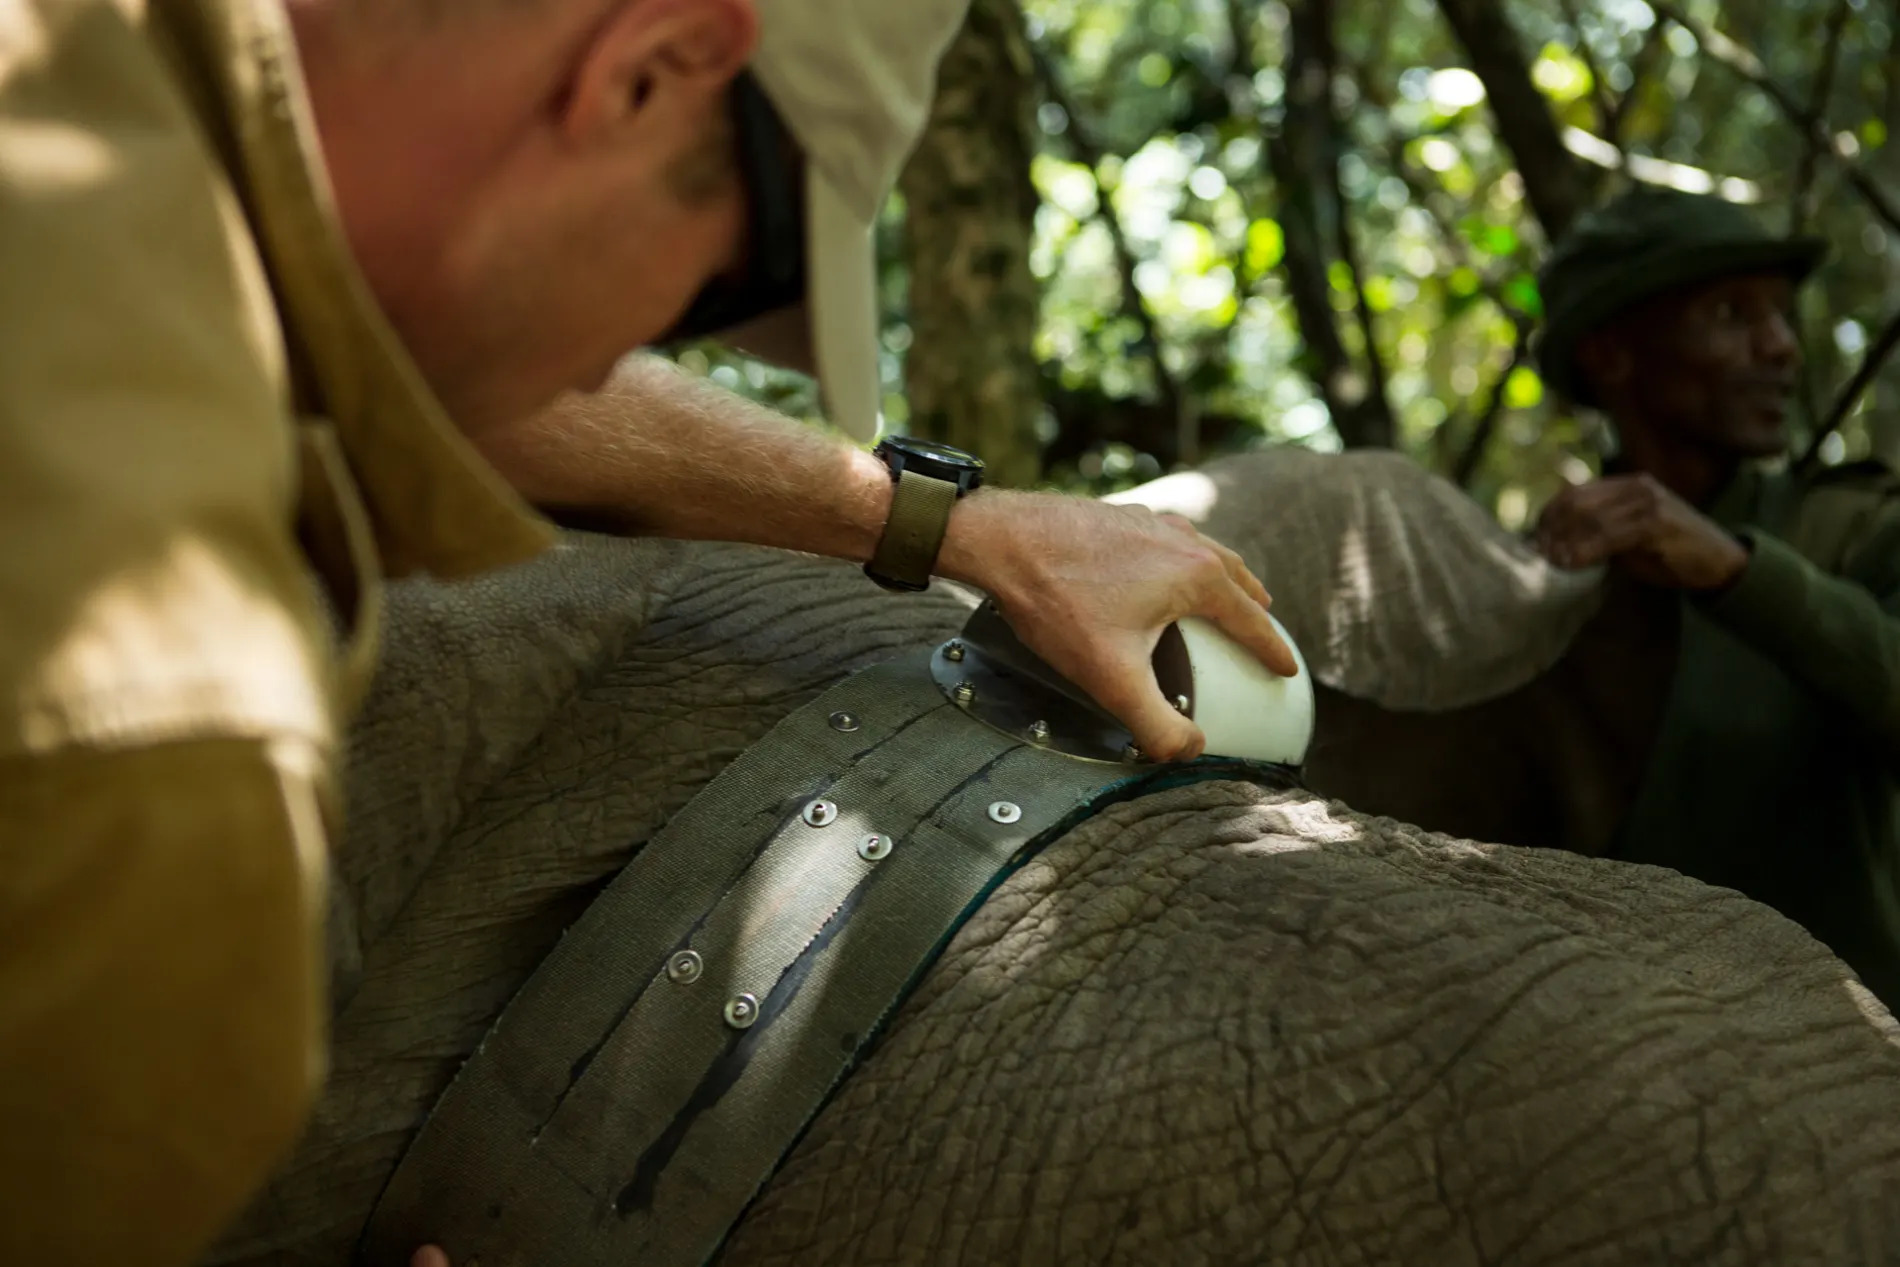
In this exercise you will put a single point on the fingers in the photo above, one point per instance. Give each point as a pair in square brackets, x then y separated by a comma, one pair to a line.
[1242, 575]
[1123, 682]
[1586, 545]
[1244, 620]
[430, 1256]
[1161, 733]
[1589, 524]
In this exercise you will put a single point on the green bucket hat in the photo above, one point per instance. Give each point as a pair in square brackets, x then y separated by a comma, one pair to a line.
[1642, 244]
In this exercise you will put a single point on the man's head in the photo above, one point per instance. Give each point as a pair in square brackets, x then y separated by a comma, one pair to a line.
[1671, 312]
[533, 188]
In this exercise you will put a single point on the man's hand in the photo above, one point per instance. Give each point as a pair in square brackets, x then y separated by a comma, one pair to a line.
[1089, 587]
[1645, 528]
[430, 1256]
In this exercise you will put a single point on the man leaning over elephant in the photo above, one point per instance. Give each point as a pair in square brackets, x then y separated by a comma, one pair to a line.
[287, 281]
[1761, 603]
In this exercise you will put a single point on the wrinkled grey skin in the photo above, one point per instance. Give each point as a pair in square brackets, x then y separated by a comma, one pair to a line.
[1214, 1025]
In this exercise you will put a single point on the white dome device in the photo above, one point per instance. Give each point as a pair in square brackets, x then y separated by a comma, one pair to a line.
[1246, 711]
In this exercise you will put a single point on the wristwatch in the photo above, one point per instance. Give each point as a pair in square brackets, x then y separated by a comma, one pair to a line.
[928, 479]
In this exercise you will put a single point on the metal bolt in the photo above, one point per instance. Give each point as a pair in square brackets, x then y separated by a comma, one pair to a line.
[846, 722]
[874, 848]
[742, 1011]
[821, 814]
[953, 651]
[965, 693]
[1131, 753]
[1182, 704]
[1039, 731]
[1006, 812]
[685, 967]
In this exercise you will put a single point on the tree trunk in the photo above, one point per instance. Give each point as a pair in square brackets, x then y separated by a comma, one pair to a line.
[1304, 161]
[1554, 181]
[974, 303]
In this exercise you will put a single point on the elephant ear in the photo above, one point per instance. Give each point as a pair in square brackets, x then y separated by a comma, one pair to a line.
[1399, 588]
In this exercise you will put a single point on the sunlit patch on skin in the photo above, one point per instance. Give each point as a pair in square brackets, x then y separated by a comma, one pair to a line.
[1300, 825]
[1876, 1013]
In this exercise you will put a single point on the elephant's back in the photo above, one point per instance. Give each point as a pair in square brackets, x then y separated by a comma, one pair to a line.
[1221, 1025]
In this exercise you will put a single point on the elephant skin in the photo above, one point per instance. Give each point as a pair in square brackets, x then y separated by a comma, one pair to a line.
[1213, 1025]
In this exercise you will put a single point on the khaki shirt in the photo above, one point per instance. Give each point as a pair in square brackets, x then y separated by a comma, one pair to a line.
[212, 451]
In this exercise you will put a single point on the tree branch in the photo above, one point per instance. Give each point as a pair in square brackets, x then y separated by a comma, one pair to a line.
[1864, 376]
[1466, 468]
[1599, 91]
[1092, 154]
[1304, 162]
[1640, 67]
[1726, 52]
[1801, 203]
[1554, 182]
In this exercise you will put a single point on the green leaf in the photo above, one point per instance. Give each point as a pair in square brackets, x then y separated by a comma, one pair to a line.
[1523, 294]
[1523, 389]
[1266, 246]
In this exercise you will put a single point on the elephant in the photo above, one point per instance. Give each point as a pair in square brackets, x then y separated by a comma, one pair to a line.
[1216, 1024]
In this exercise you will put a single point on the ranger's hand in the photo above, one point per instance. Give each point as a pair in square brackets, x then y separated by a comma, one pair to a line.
[1643, 527]
[430, 1256]
[1089, 587]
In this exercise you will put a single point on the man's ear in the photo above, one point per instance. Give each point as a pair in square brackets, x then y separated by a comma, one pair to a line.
[656, 55]
[1605, 358]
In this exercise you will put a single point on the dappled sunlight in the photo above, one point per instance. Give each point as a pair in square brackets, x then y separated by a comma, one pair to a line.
[188, 630]
[1352, 600]
[1302, 823]
[63, 159]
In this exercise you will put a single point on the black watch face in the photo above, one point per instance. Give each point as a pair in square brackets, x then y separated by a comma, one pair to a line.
[931, 451]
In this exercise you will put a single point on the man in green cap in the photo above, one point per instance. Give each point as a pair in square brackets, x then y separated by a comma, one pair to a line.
[1760, 602]
[289, 288]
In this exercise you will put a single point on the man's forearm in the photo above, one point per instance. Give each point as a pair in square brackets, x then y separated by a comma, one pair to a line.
[1829, 632]
[662, 452]
[1088, 586]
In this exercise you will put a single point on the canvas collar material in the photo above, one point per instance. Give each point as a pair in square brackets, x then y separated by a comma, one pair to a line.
[435, 504]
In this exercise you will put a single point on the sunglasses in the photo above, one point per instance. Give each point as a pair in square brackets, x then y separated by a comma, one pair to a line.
[773, 275]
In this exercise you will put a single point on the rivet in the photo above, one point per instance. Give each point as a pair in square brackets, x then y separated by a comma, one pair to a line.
[1131, 753]
[845, 722]
[1006, 812]
[821, 814]
[874, 848]
[1039, 731]
[965, 693]
[1182, 704]
[685, 967]
[742, 1010]
[953, 651]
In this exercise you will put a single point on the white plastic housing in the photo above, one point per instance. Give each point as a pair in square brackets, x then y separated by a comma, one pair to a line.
[1243, 708]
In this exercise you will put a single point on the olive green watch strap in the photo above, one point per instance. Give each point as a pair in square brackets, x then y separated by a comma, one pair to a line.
[920, 515]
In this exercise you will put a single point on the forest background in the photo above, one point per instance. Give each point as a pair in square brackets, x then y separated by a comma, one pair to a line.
[1141, 233]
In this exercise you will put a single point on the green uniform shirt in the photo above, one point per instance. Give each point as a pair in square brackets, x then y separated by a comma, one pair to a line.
[1773, 771]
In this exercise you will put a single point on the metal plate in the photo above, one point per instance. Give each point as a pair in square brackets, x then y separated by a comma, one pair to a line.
[1013, 691]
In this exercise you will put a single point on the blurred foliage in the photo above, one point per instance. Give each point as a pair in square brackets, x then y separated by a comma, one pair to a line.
[1180, 100]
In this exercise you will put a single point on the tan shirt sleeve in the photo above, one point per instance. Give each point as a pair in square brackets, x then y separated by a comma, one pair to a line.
[161, 992]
